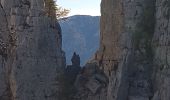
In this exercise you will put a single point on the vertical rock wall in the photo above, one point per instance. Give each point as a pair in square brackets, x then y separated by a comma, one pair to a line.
[134, 49]
[161, 45]
[125, 54]
[4, 33]
[113, 51]
[34, 61]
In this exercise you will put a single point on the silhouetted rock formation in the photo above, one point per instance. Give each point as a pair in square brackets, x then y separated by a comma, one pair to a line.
[71, 73]
[73, 70]
[75, 59]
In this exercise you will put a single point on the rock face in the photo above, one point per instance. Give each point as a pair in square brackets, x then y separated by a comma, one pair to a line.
[161, 46]
[90, 82]
[30, 48]
[132, 62]
[133, 53]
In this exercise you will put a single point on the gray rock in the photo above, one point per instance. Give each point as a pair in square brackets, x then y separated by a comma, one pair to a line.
[125, 54]
[4, 33]
[138, 98]
[161, 45]
[35, 59]
[93, 85]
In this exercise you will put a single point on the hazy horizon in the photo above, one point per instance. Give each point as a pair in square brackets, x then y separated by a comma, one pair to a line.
[81, 7]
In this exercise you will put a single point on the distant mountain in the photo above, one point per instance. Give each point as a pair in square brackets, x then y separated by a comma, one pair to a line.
[81, 35]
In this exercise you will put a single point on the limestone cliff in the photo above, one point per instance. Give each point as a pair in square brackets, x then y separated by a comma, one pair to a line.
[132, 62]
[161, 44]
[133, 53]
[30, 48]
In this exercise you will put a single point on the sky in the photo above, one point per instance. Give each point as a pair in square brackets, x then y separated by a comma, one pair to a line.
[81, 7]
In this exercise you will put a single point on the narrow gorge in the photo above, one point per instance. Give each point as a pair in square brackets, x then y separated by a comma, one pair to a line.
[132, 63]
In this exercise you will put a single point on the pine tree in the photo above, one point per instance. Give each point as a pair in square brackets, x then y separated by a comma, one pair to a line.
[53, 10]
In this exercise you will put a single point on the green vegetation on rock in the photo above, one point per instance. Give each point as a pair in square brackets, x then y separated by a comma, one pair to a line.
[53, 10]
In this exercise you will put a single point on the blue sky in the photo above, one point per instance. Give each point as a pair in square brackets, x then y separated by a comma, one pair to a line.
[81, 7]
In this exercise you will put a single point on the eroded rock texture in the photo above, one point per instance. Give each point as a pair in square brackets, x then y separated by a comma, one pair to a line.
[161, 44]
[30, 48]
[133, 53]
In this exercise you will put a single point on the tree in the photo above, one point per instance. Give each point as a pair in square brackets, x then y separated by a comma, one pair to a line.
[55, 11]
[61, 12]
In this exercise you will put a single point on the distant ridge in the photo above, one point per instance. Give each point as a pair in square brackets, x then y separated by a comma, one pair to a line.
[80, 34]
